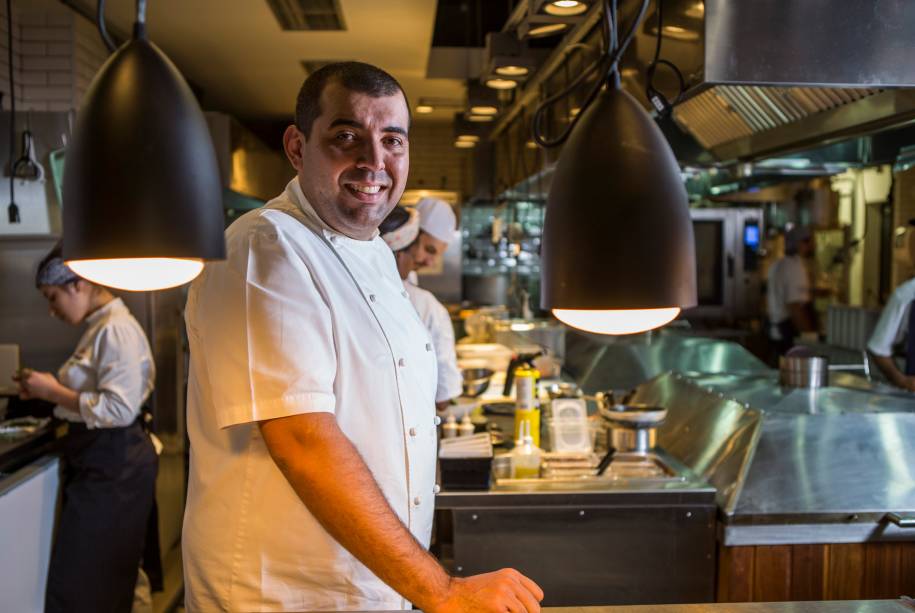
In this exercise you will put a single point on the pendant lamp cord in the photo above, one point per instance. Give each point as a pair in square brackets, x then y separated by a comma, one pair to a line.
[102, 30]
[12, 209]
[606, 66]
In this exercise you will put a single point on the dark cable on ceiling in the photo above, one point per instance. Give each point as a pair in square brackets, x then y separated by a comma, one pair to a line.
[608, 74]
[12, 210]
[660, 103]
[102, 30]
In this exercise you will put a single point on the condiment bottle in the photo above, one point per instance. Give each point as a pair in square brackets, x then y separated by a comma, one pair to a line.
[526, 402]
[466, 427]
[525, 455]
[450, 427]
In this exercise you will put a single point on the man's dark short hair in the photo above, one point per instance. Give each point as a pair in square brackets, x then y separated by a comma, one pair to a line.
[354, 76]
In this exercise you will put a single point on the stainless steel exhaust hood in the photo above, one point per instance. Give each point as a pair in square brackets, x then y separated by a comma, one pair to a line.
[771, 76]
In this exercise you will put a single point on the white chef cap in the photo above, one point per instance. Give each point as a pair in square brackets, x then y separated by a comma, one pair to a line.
[436, 217]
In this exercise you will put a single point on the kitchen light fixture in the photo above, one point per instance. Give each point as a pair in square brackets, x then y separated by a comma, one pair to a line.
[538, 28]
[473, 138]
[565, 8]
[469, 130]
[480, 118]
[142, 194]
[484, 110]
[618, 254]
[506, 56]
[500, 83]
[424, 109]
[465, 144]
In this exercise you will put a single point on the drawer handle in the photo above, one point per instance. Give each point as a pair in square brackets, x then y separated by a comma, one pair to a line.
[901, 521]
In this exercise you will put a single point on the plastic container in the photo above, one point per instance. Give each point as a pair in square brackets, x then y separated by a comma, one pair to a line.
[465, 473]
[466, 426]
[450, 427]
[530, 417]
[525, 455]
[570, 434]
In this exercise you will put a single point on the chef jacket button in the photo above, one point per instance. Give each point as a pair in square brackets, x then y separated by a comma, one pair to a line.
[428, 346]
[437, 420]
[412, 431]
[372, 297]
[401, 362]
[416, 501]
[436, 488]
[404, 294]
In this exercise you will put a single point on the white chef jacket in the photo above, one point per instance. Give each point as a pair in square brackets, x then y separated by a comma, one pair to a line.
[437, 321]
[788, 283]
[112, 369]
[893, 324]
[280, 328]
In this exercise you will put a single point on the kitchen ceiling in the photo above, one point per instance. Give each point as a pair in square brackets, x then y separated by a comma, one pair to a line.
[243, 63]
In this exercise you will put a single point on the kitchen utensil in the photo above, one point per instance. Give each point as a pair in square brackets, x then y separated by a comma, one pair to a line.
[475, 381]
[633, 427]
[802, 368]
[569, 434]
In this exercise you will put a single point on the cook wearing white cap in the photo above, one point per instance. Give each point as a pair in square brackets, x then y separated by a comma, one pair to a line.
[416, 246]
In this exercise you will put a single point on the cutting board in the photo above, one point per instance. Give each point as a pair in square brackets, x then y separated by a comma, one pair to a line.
[9, 366]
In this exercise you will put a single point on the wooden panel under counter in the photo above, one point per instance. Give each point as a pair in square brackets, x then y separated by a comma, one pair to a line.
[841, 571]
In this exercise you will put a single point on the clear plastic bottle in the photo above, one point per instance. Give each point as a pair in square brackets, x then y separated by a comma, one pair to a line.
[525, 455]
[466, 426]
[450, 427]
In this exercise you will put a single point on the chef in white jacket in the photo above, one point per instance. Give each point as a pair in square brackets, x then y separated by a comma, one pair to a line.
[418, 237]
[110, 464]
[311, 387]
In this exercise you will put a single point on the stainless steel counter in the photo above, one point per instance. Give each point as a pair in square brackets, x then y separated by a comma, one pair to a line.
[793, 466]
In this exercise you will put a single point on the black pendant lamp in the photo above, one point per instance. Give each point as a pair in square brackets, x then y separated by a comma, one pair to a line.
[618, 253]
[142, 195]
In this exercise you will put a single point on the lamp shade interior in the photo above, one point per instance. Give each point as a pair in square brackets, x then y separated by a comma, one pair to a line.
[623, 321]
[138, 274]
[618, 252]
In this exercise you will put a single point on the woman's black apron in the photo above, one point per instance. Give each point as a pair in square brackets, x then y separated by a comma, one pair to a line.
[108, 494]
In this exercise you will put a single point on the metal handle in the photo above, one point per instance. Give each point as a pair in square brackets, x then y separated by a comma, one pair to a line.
[899, 520]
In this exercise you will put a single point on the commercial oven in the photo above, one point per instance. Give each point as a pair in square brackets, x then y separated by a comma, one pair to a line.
[728, 263]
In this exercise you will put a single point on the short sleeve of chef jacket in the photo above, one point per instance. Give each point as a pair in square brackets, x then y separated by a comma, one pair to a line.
[266, 328]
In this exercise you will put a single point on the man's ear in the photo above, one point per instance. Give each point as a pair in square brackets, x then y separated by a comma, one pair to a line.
[294, 146]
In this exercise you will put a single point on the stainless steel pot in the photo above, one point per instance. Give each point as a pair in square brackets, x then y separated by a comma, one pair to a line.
[809, 371]
[633, 427]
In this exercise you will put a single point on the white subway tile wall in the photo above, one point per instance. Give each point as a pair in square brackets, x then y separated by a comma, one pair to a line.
[55, 55]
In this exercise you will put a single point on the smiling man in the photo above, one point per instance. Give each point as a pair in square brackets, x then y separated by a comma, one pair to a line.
[311, 392]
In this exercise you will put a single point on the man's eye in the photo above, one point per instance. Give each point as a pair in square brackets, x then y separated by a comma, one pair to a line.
[394, 141]
[346, 137]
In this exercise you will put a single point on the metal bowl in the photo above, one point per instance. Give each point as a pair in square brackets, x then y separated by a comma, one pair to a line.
[475, 381]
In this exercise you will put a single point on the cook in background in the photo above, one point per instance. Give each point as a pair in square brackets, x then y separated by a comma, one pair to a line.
[110, 463]
[312, 385]
[789, 297]
[897, 325]
[413, 249]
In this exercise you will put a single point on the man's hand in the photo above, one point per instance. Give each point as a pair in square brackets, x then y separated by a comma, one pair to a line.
[496, 592]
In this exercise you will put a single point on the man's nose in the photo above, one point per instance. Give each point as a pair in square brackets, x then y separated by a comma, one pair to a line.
[371, 157]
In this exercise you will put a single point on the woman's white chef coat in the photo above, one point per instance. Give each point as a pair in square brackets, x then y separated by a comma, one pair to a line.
[112, 369]
[281, 328]
[893, 325]
[437, 321]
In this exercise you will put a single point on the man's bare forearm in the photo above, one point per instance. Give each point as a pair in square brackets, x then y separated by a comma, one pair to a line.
[330, 477]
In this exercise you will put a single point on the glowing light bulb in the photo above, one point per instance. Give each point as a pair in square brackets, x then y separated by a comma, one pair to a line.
[138, 274]
[565, 8]
[512, 71]
[473, 138]
[484, 110]
[465, 144]
[424, 108]
[624, 321]
[501, 83]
